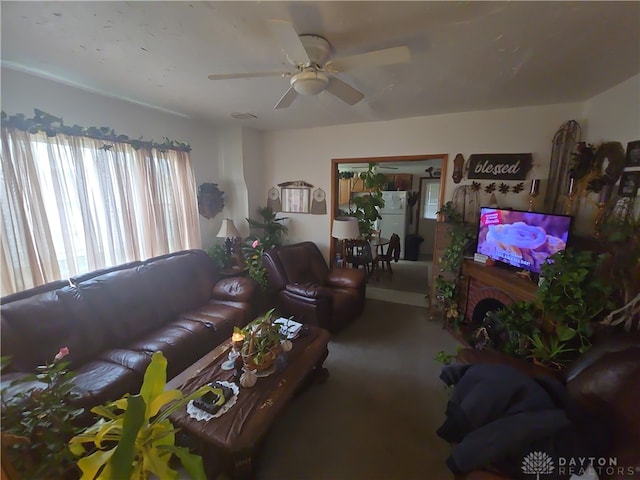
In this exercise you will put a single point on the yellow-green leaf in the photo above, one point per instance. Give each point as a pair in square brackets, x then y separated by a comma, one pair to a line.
[162, 399]
[191, 463]
[93, 463]
[155, 379]
[108, 428]
[134, 418]
[157, 462]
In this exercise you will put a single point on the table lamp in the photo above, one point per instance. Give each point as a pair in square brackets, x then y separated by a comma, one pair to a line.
[229, 232]
[345, 228]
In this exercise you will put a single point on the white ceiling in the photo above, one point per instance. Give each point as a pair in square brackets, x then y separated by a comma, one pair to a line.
[465, 55]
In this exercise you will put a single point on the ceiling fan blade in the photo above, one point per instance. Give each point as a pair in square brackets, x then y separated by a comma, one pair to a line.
[376, 58]
[344, 91]
[228, 76]
[288, 98]
[289, 41]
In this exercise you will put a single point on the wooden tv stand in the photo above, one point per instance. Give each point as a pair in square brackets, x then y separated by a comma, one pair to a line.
[481, 282]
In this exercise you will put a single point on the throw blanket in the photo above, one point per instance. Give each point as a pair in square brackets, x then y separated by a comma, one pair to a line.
[497, 416]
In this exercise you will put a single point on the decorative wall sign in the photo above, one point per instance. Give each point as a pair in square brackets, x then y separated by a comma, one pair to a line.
[633, 154]
[296, 196]
[458, 165]
[500, 166]
[210, 200]
[273, 200]
[629, 184]
[319, 202]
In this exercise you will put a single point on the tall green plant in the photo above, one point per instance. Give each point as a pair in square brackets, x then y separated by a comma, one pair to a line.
[134, 436]
[272, 229]
[366, 206]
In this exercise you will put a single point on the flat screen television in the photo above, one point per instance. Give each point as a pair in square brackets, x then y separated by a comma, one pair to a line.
[522, 239]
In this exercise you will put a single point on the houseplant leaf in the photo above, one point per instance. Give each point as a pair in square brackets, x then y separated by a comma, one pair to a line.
[134, 419]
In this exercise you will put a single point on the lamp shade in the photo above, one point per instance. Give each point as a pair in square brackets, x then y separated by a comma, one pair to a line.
[228, 229]
[345, 227]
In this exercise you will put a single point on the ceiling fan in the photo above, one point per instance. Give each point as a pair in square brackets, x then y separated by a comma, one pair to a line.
[314, 67]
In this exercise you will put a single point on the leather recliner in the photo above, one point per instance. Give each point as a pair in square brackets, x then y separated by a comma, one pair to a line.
[303, 286]
[605, 381]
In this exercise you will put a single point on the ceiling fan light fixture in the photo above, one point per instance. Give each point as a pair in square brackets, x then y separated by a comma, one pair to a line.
[309, 82]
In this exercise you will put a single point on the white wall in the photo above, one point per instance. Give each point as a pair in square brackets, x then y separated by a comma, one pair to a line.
[21, 93]
[306, 154]
[611, 116]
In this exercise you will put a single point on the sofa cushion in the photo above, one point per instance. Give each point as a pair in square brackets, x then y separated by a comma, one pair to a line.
[99, 381]
[121, 305]
[184, 341]
[179, 282]
[36, 326]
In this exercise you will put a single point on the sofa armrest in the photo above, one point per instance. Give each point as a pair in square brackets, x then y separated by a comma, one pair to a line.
[237, 289]
[346, 278]
[309, 290]
[473, 356]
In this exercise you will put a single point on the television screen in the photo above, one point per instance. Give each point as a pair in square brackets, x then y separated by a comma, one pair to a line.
[522, 239]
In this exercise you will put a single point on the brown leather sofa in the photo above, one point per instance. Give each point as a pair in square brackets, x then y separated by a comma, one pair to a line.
[605, 380]
[113, 320]
[302, 285]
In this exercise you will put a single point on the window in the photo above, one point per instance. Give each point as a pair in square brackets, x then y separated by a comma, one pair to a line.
[74, 204]
[430, 198]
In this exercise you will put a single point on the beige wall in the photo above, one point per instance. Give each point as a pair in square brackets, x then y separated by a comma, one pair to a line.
[246, 163]
[306, 154]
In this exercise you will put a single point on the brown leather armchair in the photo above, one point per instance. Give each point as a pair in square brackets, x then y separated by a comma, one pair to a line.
[302, 285]
[605, 380]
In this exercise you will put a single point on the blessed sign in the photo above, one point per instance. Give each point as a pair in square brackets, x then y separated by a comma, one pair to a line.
[500, 166]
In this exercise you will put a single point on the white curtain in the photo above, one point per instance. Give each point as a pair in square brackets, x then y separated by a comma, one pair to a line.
[72, 204]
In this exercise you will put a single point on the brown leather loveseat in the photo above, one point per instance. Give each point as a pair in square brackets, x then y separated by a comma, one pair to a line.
[302, 285]
[605, 381]
[113, 320]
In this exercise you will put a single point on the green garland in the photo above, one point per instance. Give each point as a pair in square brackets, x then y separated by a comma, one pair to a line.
[51, 125]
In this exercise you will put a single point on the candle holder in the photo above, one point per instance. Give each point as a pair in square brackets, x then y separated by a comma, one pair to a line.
[237, 340]
[568, 207]
[533, 193]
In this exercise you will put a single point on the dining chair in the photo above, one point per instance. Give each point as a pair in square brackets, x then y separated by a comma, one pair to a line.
[383, 260]
[358, 253]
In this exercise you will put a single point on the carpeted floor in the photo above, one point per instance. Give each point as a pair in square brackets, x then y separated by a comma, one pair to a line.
[376, 415]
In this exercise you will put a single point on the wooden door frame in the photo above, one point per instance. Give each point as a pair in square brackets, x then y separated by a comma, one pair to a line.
[335, 162]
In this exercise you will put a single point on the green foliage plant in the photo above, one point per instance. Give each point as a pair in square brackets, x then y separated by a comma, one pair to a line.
[513, 326]
[219, 255]
[262, 339]
[460, 235]
[253, 263]
[38, 423]
[367, 206]
[272, 229]
[573, 296]
[134, 436]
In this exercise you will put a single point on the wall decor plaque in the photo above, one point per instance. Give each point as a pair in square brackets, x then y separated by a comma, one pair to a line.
[499, 166]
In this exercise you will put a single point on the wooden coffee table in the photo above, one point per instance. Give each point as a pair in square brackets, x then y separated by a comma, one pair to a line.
[231, 442]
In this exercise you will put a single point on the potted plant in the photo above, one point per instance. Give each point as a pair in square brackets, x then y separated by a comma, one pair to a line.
[262, 343]
[134, 438]
[38, 422]
[273, 230]
[367, 206]
[221, 257]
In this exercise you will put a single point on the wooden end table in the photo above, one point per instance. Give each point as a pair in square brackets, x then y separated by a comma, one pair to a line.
[231, 442]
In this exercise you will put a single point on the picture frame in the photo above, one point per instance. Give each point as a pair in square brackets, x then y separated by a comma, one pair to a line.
[629, 184]
[296, 199]
[632, 158]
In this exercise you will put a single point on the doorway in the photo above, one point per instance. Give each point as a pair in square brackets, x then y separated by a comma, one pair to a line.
[424, 175]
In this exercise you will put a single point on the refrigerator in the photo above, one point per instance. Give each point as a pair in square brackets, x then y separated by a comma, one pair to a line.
[395, 216]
